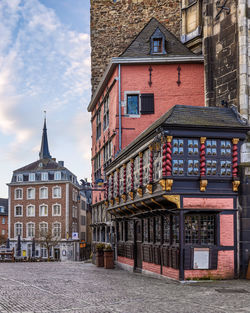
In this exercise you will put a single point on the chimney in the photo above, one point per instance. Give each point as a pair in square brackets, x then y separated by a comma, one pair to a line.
[61, 163]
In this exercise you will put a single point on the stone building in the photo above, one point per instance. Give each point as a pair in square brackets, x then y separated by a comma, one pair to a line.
[43, 206]
[3, 219]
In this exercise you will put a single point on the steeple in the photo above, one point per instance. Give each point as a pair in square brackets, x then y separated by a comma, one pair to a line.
[44, 151]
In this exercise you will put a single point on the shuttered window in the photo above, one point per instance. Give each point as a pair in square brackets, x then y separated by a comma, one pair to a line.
[147, 103]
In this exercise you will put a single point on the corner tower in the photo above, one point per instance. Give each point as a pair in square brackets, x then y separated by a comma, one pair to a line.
[115, 23]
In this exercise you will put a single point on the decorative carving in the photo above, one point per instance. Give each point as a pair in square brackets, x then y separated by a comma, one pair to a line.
[150, 76]
[162, 183]
[141, 168]
[202, 157]
[156, 202]
[236, 184]
[117, 199]
[132, 174]
[179, 75]
[124, 177]
[128, 209]
[169, 156]
[169, 184]
[203, 184]
[131, 194]
[139, 191]
[111, 201]
[235, 157]
[175, 199]
[146, 205]
[164, 157]
[106, 203]
[124, 197]
[150, 188]
[117, 182]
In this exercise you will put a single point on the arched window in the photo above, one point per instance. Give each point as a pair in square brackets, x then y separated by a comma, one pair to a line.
[18, 229]
[43, 210]
[57, 229]
[30, 231]
[43, 228]
[31, 193]
[30, 210]
[56, 209]
[18, 210]
[43, 193]
[56, 193]
[18, 193]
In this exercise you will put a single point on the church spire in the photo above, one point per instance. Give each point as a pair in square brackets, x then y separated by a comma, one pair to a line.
[44, 151]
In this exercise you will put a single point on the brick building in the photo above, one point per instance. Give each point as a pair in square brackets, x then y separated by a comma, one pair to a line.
[155, 72]
[43, 201]
[3, 219]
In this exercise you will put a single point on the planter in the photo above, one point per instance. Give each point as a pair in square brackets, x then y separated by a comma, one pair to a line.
[99, 258]
[108, 259]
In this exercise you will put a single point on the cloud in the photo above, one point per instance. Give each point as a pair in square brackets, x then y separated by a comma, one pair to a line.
[43, 65]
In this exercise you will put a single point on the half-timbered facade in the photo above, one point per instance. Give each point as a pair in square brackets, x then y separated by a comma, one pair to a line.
[173, 194]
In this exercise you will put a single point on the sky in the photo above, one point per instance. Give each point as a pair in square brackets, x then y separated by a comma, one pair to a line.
[44, 66]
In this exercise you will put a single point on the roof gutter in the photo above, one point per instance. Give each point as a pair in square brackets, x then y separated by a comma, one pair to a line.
[144, 60]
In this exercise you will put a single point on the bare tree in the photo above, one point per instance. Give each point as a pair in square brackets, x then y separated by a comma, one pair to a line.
[2, 240]
[49, 240]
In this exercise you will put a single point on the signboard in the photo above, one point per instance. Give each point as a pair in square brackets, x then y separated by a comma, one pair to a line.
[99, 181]
[201, 258]
[24, 253]
[75, 236]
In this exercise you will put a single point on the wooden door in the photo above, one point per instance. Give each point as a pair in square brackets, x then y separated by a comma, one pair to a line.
[138, 246]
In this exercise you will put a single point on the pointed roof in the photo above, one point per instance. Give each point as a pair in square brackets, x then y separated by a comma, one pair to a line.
[140, 46]
[44, 151]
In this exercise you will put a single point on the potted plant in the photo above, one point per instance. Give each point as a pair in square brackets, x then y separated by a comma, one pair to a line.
[108, 257]
[100, 255]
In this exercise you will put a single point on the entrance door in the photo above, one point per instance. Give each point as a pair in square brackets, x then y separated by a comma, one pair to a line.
[138, 247]
[57, 254]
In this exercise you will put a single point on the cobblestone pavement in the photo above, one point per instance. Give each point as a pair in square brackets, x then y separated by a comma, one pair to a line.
[78, 287]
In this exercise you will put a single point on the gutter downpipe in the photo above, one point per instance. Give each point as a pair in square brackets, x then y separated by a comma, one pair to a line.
[120, 117]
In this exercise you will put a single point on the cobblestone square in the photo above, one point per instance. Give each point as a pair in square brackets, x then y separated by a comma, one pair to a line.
[78, 287]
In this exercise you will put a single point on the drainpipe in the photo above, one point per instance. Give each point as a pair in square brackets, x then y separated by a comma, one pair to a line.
[120, 109]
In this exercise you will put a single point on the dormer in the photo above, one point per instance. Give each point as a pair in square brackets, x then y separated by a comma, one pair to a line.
[158, 42]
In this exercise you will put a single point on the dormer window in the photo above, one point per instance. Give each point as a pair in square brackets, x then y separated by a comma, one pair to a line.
[157, 45]
[158, 42]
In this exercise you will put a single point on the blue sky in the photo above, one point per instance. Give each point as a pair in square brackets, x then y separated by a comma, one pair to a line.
[44, 65]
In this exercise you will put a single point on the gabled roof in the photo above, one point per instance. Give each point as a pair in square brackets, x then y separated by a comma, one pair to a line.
[140, 46]
[47, 164]
[4, 203]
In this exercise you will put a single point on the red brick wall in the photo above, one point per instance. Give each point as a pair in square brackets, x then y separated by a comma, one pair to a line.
[227, 230]
[170, 272]
[224, 270]
[125, 260]
[151, 267]
[4, 226]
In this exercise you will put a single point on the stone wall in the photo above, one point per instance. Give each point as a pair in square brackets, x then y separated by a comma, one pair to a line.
[114, 24]
[220, 53]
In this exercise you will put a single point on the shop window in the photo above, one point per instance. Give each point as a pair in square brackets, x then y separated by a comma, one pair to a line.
[166, 229]
[146, 230]
[158, 229]
[175, 229]
[129, 229]
[151, 229]
[200, 229]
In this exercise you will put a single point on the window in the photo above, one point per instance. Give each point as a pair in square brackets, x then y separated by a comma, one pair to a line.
[32, 177]
[30, 230]
[18, 229]
[106, 112]
[83, 205]
[157, 45]
[74, 195]
[18, 193]
[83, 220]
[107, 151]
[200, 229]
[98, 124]
[147, 103]
[43, 193]
[74, 211]
[166, 229]
[83, 236]
[3, 220]
[1, 209]
[44, 176]
[57, 229]
[19, 210]
[19, 177]
[56, 192]
[43, 227]
[3, 232]
[44, 252]
[97, 166]
[175, 229]
[43, 210]
[30, 210]
[31, 193]
[58, 175]
[133, 104]
[56, 210]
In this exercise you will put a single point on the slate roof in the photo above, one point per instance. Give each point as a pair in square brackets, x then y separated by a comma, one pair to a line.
[48, 164]
[140, 46]
[4, 203]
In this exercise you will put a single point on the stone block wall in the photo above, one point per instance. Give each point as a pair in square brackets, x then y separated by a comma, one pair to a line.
[220, 53]
[114, 24]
